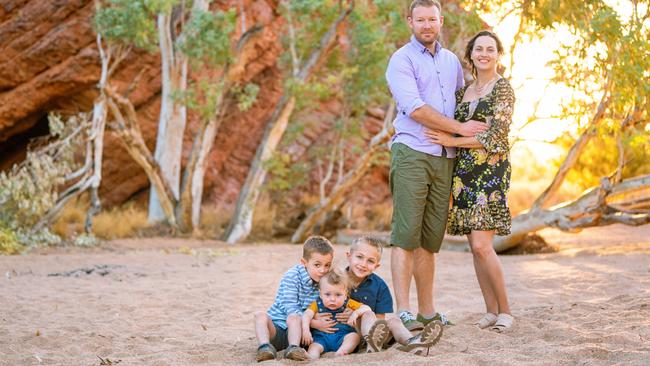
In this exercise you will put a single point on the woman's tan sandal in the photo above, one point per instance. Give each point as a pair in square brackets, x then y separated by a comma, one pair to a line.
[487, 320]
[430, 335]
[504, 322]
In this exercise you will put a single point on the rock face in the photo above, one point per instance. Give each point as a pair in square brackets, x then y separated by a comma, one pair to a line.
[49, 63]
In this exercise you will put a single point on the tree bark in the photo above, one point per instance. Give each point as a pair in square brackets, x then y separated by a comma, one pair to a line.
[242, 221]
[128, 130]
[173, 116]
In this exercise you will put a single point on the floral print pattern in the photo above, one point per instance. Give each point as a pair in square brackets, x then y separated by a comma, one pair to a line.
[482, 176]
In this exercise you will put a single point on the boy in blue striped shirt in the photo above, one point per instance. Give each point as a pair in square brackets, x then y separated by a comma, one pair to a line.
[281, 326]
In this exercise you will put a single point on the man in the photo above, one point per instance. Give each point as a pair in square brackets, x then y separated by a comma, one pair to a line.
[423, 78]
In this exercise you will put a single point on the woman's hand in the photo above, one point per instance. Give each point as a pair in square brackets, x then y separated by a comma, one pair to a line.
[439, 137]
[323, 322]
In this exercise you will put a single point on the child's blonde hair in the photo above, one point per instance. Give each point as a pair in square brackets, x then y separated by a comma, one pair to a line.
[335, 277]
[316, 244]
[370, 240]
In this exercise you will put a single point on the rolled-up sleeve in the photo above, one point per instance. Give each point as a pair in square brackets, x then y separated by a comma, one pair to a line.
[401, 81]
[495, 138]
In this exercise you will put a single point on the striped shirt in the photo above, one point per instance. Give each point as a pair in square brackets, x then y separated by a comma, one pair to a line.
[297, 290]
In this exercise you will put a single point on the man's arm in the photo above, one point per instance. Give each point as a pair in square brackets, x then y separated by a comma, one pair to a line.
[404, 89]
[434, 120]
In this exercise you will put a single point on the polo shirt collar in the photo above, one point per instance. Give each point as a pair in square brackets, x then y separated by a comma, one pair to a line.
[420, 47]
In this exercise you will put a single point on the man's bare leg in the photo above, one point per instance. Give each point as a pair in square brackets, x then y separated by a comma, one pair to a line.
[423, 271]
[401, 268]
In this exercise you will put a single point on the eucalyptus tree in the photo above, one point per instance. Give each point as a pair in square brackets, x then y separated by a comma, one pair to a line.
[605, 60]
[184, 36]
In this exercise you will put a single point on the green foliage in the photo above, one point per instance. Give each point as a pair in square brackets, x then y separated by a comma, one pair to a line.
[246, 96]
[30, 189]
[604, 44]
[129, 22]
[207, 37]
[286, 174]
[9, 243]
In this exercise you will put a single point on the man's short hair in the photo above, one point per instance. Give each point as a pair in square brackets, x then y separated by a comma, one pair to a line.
[370, 240]
[424, 3]
[316, 244]
[335, 278]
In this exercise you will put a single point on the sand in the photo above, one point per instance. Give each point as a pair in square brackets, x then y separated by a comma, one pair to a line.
[185, 302]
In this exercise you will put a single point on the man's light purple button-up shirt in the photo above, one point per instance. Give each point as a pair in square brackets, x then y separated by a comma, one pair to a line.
[415, 78]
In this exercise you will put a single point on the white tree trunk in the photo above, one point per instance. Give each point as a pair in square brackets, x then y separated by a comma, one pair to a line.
[173, 116]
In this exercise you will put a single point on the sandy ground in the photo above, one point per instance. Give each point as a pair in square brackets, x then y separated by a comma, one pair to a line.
[183, 302]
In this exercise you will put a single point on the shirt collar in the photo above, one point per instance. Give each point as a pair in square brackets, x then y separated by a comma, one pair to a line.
[305, 278]
[420, 47]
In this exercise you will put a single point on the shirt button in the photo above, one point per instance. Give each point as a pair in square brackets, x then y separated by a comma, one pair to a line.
[444, 100]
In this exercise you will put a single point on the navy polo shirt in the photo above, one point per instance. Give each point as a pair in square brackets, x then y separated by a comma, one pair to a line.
[374, 292]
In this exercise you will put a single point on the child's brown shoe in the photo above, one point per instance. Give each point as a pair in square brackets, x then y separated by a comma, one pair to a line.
[265, 352]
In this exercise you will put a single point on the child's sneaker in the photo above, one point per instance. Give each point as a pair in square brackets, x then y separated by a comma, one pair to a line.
[439, 317]
[296, 353]
[430, 336]
[265, 352]
[409, 321]
[377, 335]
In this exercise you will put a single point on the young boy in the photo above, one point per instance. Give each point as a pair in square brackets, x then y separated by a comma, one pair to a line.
[333, 299]
[281, 326]
[364, 258]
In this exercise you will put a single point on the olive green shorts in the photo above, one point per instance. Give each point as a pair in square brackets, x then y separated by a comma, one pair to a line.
[421, 185]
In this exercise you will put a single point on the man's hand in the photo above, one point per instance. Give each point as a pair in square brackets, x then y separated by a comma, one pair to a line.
[343, 316]
[323, 322]
[471, 128]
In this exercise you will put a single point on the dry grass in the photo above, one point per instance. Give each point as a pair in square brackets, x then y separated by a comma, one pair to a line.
[118, 222]
[70, 221]
[213, 221]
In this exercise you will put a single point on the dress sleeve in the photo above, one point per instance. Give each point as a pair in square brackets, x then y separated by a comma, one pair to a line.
[495, 138]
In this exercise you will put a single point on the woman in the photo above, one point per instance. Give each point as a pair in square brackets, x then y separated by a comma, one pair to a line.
[482, 173]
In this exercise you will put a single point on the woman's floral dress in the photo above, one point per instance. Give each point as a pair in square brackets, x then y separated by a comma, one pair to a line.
[482, 176]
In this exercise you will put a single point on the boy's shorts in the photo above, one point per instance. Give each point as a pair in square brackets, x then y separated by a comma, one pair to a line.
[331, 342]
[281, 339]
[421, 187]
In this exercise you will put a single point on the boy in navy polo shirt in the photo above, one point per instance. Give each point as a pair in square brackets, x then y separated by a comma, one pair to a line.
[281, 326]
[364, 258]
